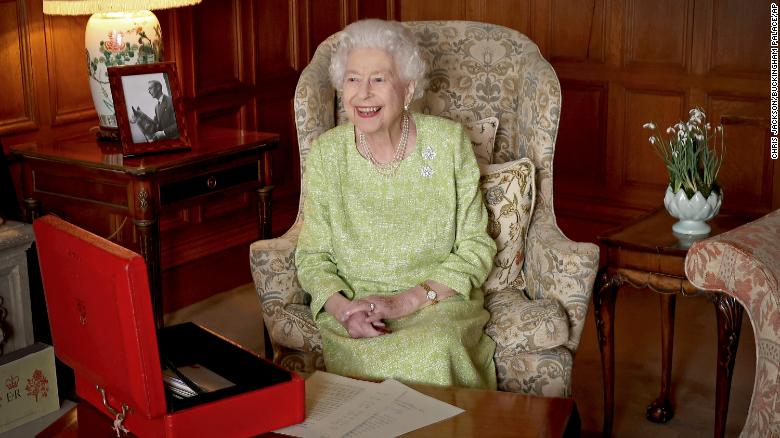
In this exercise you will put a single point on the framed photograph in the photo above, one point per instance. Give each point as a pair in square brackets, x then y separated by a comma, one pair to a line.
[149, 108]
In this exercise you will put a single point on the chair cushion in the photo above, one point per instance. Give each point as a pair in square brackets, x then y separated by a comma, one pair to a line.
[483, 137]
[509, 194]
[519, 325]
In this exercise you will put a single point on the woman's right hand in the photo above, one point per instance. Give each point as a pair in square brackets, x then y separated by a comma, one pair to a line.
[358, 326]
[356, 323]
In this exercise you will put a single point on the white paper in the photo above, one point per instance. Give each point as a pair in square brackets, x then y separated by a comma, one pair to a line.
[411, 410]
[338, 406]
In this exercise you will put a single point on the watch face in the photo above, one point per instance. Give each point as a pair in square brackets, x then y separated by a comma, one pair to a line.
[431, 295]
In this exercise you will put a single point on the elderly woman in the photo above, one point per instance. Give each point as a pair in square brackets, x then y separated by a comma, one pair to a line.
[394, 247]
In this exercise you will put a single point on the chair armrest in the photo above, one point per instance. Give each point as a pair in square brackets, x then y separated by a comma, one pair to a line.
[272, 262]
[560, 268]
[745, 264]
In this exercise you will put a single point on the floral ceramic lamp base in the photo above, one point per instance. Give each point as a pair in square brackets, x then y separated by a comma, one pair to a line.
[113, 39]
[692, 213]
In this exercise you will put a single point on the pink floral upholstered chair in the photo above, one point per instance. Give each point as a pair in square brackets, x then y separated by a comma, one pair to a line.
[482, 75]
[745, 263]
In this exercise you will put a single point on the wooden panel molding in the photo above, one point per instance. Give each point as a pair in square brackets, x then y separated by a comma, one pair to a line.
[514, 14]
[70, 99]
[736, 47]
[580, 146]
[413, 10]
[218, 49]
[747, 174]
[17, 111]
[639, 166]
[578, 30]
[658, 33]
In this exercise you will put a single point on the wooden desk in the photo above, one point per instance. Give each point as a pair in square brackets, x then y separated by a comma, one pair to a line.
[488, 414]
[172, 208]
[646, 254]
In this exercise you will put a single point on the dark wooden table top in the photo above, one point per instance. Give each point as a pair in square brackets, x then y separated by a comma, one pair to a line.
[86, 150]
[487, 414]
[652, 232]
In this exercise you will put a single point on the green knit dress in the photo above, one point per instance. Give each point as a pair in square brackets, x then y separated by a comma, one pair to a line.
[366, 234]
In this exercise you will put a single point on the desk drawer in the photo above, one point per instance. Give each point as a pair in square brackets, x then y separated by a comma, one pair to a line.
[208, 183]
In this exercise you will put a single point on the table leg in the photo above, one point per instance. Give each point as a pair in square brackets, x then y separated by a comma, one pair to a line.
[729, 314]
[264, 211]
[604, 311]
[32, 209]
[660, 410]
[149, 242]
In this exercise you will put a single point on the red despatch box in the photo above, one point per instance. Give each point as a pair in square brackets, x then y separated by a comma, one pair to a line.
[100, 311]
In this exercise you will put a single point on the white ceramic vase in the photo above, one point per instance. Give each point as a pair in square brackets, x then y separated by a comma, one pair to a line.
[692, 213]
[113, 39]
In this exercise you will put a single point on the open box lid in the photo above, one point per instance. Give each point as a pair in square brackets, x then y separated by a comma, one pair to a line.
[100, 311]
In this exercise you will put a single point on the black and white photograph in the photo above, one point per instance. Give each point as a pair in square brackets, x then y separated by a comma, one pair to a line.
[148, 108]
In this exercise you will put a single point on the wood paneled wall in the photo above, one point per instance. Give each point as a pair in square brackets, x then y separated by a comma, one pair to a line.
[620, 62]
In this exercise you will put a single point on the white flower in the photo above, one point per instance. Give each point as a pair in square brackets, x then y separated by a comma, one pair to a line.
[670, 130]
[649, 125]
[708, 126]
[696, 113]
[719, 128]
[651, 140]
[699, 137]
[429, 153]
[426, 172]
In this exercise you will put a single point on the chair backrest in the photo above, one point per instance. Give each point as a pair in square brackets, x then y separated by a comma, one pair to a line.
[475, 70]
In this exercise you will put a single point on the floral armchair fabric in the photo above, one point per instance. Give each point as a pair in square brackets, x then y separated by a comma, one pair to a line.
[476, 70]
[745, 263]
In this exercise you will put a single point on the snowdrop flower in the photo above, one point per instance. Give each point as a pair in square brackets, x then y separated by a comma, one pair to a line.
[649, 125]
[652, 140]
[699, 137]
[670, 130]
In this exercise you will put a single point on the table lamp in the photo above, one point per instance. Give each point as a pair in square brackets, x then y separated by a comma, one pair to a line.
[119, 32]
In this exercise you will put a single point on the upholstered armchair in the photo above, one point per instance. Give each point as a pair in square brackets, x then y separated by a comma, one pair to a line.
[476, 71]
[745, 264]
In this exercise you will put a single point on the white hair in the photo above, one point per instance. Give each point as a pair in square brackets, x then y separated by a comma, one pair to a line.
[389, 36]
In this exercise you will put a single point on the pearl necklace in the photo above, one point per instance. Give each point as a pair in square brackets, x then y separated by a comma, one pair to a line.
[388, 169]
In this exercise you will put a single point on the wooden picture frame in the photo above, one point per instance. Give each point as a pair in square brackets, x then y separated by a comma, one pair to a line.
[144, 97]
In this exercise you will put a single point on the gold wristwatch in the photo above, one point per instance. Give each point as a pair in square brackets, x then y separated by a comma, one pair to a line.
[430, 294]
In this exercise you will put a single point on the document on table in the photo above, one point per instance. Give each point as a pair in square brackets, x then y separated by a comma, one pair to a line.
[338, 406]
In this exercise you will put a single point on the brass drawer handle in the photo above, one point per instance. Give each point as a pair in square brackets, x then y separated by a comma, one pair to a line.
[211, 182]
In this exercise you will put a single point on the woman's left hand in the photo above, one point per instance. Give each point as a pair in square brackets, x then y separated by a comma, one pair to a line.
[381, 307]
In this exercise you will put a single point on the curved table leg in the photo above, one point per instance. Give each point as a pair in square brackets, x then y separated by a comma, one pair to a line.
[604, 311]
[729, 313]
[660, 410]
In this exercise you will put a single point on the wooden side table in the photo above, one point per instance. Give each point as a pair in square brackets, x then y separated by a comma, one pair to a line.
[646, 254]
[172, 208]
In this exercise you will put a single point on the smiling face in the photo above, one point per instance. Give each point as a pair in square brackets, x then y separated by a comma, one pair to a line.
[373, 93]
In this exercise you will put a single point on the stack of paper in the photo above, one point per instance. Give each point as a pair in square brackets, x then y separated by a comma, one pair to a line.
[342, 407]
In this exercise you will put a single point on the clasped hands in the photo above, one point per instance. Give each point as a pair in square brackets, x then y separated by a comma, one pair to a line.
[365, 317]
